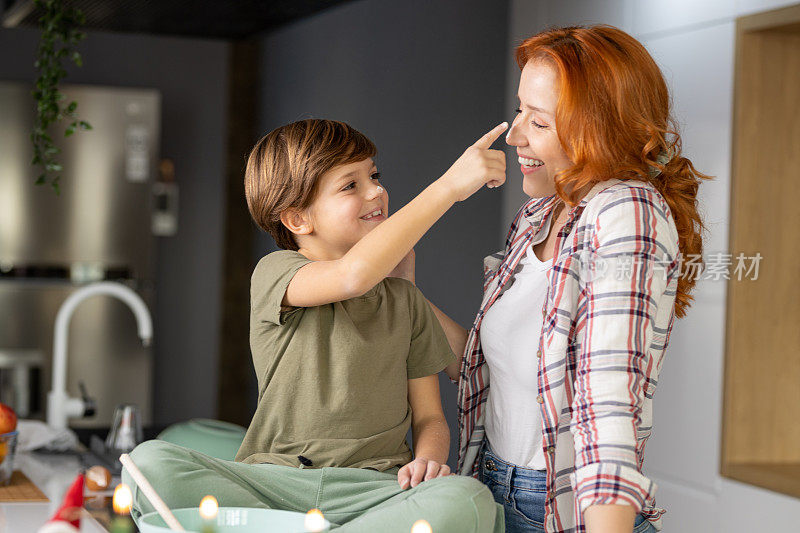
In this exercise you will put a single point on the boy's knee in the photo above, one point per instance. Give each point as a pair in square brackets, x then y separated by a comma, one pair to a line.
[469, 500]
[489, 516]
[156, 461]
[143, 456]
[155, 450]
[466, 486]
[149, 458]
[148, 452]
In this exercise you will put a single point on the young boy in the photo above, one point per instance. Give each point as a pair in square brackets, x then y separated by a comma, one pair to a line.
[346, 357]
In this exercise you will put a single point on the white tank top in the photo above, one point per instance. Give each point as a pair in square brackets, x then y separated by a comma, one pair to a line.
[510, 338]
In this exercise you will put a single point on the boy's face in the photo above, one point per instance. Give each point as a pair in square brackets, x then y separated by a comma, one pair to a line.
[342, 212]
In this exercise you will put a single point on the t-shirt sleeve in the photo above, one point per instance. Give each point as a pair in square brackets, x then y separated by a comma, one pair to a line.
[429, 352]
[268, 285]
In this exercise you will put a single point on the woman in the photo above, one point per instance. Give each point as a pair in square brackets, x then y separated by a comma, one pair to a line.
[578, 307]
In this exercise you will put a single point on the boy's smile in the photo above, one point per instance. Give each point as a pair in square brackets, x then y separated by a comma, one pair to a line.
[375, 216]
[349, 203]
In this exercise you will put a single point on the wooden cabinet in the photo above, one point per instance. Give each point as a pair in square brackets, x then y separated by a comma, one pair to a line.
[761, 408]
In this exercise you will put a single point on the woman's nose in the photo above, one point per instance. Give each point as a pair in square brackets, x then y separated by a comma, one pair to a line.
[514, 137]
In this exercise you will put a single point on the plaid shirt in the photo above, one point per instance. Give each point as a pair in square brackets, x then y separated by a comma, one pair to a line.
[608, 314]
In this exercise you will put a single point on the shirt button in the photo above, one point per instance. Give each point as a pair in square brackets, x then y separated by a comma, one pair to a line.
[540, 399]
[539, 353]
[551, 449]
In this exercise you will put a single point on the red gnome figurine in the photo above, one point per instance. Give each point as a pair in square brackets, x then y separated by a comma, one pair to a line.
[68, 517]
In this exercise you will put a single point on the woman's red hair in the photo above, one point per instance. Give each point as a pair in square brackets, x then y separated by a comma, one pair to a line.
[613, 120]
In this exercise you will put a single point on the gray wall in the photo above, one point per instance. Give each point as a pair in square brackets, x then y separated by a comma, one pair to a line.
[191, 75]
[423, 80]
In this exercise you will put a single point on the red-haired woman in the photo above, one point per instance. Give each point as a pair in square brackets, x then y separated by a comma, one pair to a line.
[578, 307]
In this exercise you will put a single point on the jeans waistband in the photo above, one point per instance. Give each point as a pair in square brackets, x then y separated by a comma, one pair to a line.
[507, 473]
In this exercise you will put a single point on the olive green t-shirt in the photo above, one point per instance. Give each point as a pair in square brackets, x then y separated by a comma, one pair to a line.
[333, 379]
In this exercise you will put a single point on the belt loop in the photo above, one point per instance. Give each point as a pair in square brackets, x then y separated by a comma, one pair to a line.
[510, 470]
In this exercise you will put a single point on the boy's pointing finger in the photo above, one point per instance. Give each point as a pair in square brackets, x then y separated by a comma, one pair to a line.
[487, 140]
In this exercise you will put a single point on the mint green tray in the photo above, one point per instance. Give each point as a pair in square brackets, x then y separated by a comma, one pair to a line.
[232, 520]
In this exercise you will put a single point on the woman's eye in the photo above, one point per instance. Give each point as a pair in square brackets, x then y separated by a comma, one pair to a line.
[349, 186]
[540, 126]
[376, 176]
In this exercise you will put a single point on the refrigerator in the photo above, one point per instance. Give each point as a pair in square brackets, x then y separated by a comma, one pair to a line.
[98, 228]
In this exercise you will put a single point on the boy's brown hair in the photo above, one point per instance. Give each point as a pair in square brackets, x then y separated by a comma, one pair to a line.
[284, 168]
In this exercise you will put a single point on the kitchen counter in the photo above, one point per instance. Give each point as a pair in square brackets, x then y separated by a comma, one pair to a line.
[53, 473]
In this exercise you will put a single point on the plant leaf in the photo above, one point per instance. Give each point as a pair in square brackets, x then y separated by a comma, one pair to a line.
[59, 35]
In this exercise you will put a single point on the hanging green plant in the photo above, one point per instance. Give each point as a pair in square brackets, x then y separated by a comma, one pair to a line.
[60, 35]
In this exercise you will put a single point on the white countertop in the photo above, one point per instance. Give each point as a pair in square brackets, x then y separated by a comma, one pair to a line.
[53, 474]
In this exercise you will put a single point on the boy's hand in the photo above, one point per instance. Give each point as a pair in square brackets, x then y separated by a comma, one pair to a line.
[406, 268]
[477, 166]
[419, 470]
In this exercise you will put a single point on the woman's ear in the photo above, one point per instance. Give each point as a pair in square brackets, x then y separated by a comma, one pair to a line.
[297, 221]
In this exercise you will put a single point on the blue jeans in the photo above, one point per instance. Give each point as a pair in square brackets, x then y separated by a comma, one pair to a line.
[522, 493]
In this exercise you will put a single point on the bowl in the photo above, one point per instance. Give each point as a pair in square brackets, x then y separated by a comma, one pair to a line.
[212, 437]
[232, 520]
[8, 448]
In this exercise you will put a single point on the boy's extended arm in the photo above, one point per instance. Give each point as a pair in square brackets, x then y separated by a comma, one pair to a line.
[379, 251]
[372, 257]
[429, 433]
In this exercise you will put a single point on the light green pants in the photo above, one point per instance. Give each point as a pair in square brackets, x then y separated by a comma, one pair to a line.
[352, 499]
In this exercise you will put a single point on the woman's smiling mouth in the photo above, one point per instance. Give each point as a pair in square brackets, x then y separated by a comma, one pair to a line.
[529, 164]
